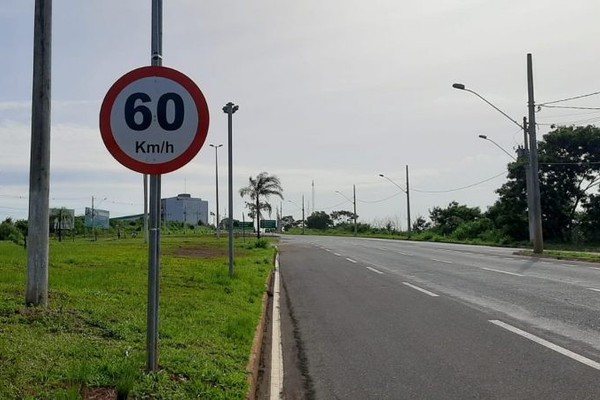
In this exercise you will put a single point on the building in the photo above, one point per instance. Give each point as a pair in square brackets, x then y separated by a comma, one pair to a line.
[185, 208]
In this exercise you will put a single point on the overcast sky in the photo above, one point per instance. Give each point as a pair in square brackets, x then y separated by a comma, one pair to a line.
[330, 91]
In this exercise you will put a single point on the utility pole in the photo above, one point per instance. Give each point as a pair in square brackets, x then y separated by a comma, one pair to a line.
[408, 203]
[303, 220]
[538, 241]
[528, 184]
[354, 202]
[39, 163]
[218, 224]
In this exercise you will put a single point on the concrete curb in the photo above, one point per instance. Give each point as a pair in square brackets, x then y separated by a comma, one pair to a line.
[253, 366]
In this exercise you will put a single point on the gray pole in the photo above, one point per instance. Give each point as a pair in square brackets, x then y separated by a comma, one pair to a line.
[354, 202]
[39, 167]
[229, 109]
[303, 214]
[145, 208]
[217, 186]
[528, 184]
[538, 241]
[154, 233]
[408, 203]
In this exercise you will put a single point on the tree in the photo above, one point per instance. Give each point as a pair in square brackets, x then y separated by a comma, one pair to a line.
[319, 220]
[569, 170]
[342, 217]
[446, 220]
[420, 225]
[263, 186]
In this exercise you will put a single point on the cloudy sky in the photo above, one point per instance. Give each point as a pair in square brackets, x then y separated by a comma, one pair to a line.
[331, 91]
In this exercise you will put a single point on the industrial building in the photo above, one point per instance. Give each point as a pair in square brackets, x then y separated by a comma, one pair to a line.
[185, 208]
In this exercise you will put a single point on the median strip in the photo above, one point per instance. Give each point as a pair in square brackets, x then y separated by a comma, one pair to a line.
[427, 292]
[547, 344]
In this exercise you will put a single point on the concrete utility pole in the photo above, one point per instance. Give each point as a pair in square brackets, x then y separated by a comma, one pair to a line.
[354, 203]
[39, 163]
[303, 219]
[528, 184]
[218, 224]
[229, 109]
[408, 203]
[538, 240]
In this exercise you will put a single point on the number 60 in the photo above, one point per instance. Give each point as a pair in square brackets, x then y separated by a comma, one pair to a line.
[131, 111]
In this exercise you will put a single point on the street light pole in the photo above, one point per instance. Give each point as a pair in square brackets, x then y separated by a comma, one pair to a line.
[353, 203]
[484, 137]
[407, 191]
[533, 183]
[229, 109]
[218, 224]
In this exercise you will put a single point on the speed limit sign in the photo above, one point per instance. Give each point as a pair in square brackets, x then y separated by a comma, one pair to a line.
[154, 120]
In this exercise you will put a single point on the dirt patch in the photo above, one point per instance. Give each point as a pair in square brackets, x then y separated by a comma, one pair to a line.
[198, 253]
[99, 393]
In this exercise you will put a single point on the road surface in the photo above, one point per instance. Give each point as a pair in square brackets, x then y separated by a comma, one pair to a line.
[380, 319]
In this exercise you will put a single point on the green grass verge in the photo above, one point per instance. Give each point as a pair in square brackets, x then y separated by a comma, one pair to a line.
[91, 339]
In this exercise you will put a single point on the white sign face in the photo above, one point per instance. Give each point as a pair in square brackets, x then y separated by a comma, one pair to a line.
[154, 120]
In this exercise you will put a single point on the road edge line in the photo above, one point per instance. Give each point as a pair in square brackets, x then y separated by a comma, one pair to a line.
[276, 342]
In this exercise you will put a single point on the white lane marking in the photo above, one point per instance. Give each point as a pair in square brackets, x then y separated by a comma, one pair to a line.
[442, 261]
[595, 268]
[502, 272]
[594, 289]
[545, 343]
[427, 292]
[403, 253]
[337, 254]
[326, 249]
[374, 270]
[351, 260]
[276, 345]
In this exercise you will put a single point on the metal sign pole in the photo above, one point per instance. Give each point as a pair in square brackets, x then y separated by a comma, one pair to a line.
[154, 240]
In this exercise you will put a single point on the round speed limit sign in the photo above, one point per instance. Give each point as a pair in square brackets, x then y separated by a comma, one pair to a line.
[154, 120]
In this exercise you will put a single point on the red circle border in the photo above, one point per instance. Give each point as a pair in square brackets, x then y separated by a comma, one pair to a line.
[108, 134]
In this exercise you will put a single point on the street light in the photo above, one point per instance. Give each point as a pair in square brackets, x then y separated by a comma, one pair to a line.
[407, 191]
[484, 137]
[532, 181]
[461, 86]
[229, 109]
[352, 201]
[302, 212]
[218, 224]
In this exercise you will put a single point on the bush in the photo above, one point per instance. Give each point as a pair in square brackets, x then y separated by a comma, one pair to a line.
[8, 231]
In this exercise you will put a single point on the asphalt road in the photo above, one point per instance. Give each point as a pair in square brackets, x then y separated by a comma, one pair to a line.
[379, 319]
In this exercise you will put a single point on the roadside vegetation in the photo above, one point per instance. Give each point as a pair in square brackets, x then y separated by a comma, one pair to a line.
[90, 342]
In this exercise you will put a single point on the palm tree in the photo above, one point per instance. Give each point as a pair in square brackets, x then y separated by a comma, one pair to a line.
[263, 186]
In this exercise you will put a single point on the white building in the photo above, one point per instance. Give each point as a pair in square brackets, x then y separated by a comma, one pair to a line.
[185, 208]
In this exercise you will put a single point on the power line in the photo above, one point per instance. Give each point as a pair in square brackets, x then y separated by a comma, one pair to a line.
[570, 107]
[462, 187]
[568, 99]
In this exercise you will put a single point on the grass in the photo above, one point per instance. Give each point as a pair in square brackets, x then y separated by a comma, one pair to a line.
[90, 341]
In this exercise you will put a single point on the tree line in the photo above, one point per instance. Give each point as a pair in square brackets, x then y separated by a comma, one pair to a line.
[569, 171]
